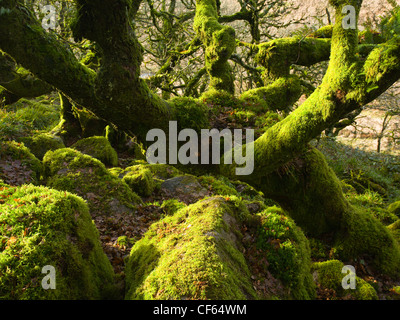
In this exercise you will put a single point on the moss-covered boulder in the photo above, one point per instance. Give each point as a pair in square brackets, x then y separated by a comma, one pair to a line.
[42, 227]
[41, 143]
[328, 274]
[98, 147]
[194, 254]
[287, 252]
[18, 165]
[70, 170]
[140, 179]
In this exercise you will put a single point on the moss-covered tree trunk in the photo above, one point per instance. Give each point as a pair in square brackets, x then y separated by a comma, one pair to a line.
[219, 44]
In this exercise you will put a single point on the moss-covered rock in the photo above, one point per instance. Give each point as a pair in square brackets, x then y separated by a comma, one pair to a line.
[98, 147]
[70, 170]
[329, 275]
[42, 227]
[186, 188]
[287, 251]
[139, 179]
[41, 143]
[217, 187]
[171, 206]
[18, 165]
[194, 254]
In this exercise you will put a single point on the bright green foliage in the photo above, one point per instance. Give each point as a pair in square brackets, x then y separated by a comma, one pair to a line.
[329, 275]
[39, 227]
[18, 157]
[372, 203]
[98, 147]
[287, 251]
[41, 143]
[26, 116]
[70, 170]
[193, 254]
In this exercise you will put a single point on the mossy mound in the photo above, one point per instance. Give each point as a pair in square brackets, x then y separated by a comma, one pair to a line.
[70, 170]
[41, 143]
[42, 227]
[140, 179]
[287, 251]
[194, 254]
[18, 165]
[171, 206]
[363, 235]
[98, 147]
[329, 275]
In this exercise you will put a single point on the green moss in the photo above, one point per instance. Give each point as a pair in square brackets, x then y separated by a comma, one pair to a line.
[218, 99]
[193, 254]
[18, 165]
[41, 143]
[171, 206]
[98, 147]
[394, 208]
[139, 179]
[279, 95]
[363, 234]
[287, 251]
[70, 170]
[40, 227]
[329, 275]
[219, 42]
[163, 171]
[395, 230]
[190, 113]
[217, 186]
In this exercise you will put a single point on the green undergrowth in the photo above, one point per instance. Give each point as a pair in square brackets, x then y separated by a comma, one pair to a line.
[42, 227]
[28, 116]
[363, 170]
